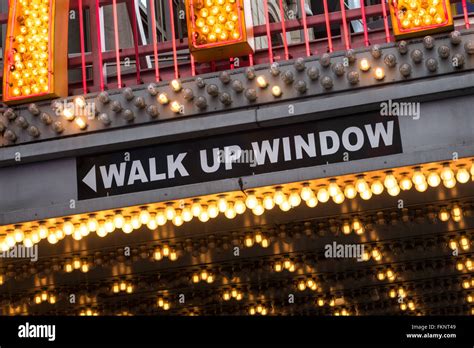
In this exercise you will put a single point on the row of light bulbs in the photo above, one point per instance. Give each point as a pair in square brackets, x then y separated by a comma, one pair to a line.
[203, 276]
[122, 286]
[259, 309]
[308, 283]
[178, 213]
[465, 264]
[386, 274]
[165, 252]
[44, 296]
[234, 293]
[163, 303]
[468, 283]
[462, 243]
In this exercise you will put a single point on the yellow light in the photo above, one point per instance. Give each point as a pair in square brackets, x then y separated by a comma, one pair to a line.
[323, 195]
[262, 82]
[239, 207]
[444, 215]
[279, 197]
[212, 210]
[364, 64]
[294, 199]
[433, 179]
[377, 187]
[163, 99]
[379, 74]
[463, 175]
[312, 202]
[350, 191]
[276, 91]
[176, 85]
[394, 191]
[447, 173]
[418, 177]
[176, 107]
[268, 202]
[251, 202]
[81, 123]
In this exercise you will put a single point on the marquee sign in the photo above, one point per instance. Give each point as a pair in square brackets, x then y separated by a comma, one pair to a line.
[35, 64]
[420, 17]
[238, 155]
[219, 29]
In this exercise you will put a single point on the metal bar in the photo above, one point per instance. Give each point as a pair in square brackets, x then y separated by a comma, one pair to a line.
[173, 40]
[99, 44]
[283, 30]
[328, 25]
[83, 49]
[385, 21]
[364, 22]
[117, 44]
[344, 25]
[305, 28]
[466, 15]
[269, 34]
[155, 39]
[135, 40]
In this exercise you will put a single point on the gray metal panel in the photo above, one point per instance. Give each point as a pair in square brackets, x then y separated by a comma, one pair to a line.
[445, 127]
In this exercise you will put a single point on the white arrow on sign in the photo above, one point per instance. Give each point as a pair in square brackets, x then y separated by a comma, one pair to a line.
[90, 179]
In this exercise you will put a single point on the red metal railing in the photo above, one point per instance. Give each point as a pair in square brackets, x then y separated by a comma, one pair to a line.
[167, 65]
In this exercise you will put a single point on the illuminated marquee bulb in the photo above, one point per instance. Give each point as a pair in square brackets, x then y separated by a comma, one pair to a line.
[262, 82]
[339, 198]
[390, 181]
[433, 179]
[350, 191]
[251, 201]
[366, 195]
[231, 212]
[333, 188]
[276, 91]
[268, 202]
[361, 185]
[312, 202]
[196, 208]
[444, 214]
[447, 173]
[239, 206]
[418, 177]
[306, 192]
[163, 99]
[176, 107]
[187, 214]
[377, 187]
[462, 175]
[144, 216]
[68, 228]
[212, 210]
[364, 64]
[394, 191]
[259, 209]
[222, 204]
[170, 212]
[176, 85]
[379, 74]
[279, 197]
[323, 195]
[294, 199]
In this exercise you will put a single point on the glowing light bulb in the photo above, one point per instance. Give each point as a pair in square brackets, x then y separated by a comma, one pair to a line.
[163, 99]
[463, 175]
[251, 201]
[377, 187]
[433, 179]
[262, 82]
[447, 173]
[379, 74]
[364, 64]
[350, 191]
[176, 85]
[276, 91]
[294, 199]
[323, 195]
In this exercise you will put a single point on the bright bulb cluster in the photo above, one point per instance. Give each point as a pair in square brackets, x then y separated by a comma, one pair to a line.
[122, 286]
[259, 309]
[418, 14]
[44, 296]
[308, 283]
[29, 56]
[203, 276]
[163, 303]
[232, 294]
[165, 252]
[388, 274]
[216, 21]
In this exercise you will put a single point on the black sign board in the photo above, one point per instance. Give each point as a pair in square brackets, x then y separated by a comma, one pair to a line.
[237, 155]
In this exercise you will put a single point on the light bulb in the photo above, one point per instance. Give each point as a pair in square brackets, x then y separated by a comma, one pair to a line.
[390, 181]
[333, 188]
[449, 183]
[262, 82]
[279, 197]
[350, 191]
[176, 85]
[463, 175]
[339, 198]
[163, 99]
[285, 206]
[323, 195]
[433, 179]
[447, 173]
[196, 208]
[268, 202]
[187, 214]
[364, 64]
[444, 215]
[239, 206]
[251, 201]
[418, 177]
[366, 195]
[222, 204]
[231, 213]
[68, 228]
[379, 74]
[170, 212]
[377, 187]
[312, 202]
[421, 187]
[294, 199]
[306, 193]
[212, 210]
[394, 191]
[204, 216]
[276, 91]
[144, 216]
[405, 184]
[160, 217]
[259, 210]
[361, 185]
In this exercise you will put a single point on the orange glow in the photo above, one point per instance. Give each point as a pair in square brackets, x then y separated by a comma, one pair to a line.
[219, 28]
[31, 59]
[420, 17]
